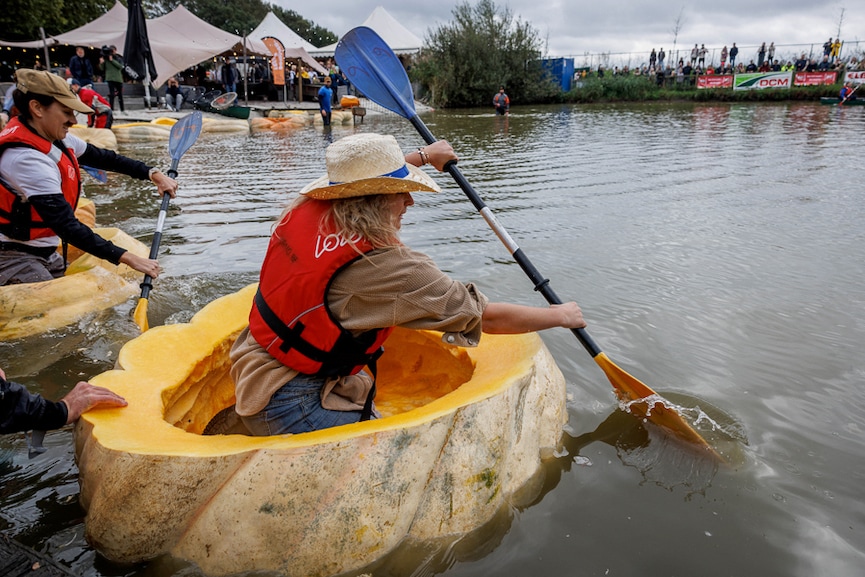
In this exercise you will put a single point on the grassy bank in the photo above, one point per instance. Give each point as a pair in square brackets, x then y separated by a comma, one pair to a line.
[643, 88]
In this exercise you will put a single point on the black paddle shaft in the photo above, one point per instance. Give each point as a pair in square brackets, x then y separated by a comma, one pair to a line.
[147, 283]
[542, 284]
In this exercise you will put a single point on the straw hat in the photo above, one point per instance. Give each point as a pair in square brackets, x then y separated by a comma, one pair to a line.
[364, 164]
[48, 84]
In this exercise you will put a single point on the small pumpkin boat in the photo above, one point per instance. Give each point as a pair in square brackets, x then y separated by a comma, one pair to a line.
[462, 435]
[141, 131]
[89, 285]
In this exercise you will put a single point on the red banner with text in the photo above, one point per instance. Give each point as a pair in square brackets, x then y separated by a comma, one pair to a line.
[815, 78]
[715, 81]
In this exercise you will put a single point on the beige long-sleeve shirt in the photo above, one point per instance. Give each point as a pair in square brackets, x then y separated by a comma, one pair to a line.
[389, 287]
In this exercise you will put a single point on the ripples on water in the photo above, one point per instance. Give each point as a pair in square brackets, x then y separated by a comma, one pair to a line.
[717, 253]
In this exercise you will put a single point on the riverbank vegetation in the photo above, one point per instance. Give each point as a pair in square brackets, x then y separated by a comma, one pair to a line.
[484, 46]
[644, 88]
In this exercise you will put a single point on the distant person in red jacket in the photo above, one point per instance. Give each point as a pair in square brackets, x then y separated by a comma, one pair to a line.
[103, 117]
[502, 102]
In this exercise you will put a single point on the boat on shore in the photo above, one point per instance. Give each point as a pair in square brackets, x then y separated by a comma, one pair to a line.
[461, 437]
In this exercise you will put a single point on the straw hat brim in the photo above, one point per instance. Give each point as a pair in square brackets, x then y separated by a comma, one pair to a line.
[416, 181]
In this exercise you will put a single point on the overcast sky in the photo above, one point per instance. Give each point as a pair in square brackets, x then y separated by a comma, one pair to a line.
[574, 27]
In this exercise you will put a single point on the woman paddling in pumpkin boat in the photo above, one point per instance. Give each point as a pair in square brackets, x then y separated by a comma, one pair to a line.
[336, 279]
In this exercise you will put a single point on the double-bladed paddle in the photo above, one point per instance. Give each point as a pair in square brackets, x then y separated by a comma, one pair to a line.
[184, 133]
[366, 59]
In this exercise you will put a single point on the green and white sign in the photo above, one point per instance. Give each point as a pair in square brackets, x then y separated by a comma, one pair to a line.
[760, 80]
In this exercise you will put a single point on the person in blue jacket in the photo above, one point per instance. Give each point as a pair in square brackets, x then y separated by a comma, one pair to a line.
[325, 101]
[21, 410]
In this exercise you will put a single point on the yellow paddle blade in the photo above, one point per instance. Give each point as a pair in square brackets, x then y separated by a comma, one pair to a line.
[140, 315]
[630, 389]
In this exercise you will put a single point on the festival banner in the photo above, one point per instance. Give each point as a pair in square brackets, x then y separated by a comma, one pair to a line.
[277, 59]
[855, 77]
[760, 80]
[815, 78]
[715, 81]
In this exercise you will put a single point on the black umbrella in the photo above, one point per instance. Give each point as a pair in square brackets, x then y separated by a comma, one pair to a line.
[136, 51]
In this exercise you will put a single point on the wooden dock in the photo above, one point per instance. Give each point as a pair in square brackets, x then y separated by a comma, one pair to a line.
[17, 560]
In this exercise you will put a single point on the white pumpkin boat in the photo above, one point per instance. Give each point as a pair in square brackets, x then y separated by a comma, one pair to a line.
[463, 431]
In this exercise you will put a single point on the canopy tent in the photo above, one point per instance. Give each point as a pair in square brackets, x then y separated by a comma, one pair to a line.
[398, 37]
[295, 46]
[100, 32]
[179, 39]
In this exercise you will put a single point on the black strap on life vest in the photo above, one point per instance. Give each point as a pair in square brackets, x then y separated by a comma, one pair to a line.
[348, 352]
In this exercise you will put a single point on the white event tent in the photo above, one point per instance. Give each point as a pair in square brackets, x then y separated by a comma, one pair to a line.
[295, 46]
[398, 37]
[178, 39]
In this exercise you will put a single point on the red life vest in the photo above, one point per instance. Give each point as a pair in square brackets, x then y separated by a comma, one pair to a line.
[290, 317]
[18, 219]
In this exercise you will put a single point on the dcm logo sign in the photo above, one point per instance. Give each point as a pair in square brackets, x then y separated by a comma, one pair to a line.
[758, 80]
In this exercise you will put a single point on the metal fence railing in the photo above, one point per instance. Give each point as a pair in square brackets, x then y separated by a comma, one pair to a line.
[783, 53]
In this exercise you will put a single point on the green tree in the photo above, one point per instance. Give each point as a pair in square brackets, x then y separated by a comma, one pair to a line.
[464, 62]
[20, 19]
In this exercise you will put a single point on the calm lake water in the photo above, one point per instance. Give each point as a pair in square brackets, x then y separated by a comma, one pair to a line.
[717, 252]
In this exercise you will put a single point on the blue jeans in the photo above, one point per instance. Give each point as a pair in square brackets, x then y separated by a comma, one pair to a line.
[296, 408]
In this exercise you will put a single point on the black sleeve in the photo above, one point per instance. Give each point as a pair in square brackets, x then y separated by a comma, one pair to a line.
[21, 410]
[109, 160]
[58, 215]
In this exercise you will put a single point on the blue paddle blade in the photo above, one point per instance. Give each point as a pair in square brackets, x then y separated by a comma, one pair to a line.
[370, 64]
[96, 173]
[184, 133]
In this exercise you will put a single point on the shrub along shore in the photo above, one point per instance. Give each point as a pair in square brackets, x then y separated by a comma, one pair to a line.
[643, 88]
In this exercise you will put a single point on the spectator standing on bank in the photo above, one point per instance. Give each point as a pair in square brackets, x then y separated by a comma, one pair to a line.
[661, 56]
[503, 103]
[111, 66]
[802, 63]
[228, 75]
[770, 53]
[836, 50]
[827, 47]
[694, 53]
[325, 101]
[701, 56]
[761, 54]
[292, 82]
[653, 58]
[80, 68]
[734, 52]
[724, 54]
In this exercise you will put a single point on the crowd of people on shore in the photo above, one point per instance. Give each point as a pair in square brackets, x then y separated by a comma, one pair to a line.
[695, 63]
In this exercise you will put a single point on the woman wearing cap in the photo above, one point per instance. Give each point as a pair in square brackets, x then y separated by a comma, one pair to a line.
[40, 184]
[336, 279]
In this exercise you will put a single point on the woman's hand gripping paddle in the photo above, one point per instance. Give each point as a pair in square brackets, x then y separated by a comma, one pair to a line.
[183, 135]
[375, 70]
